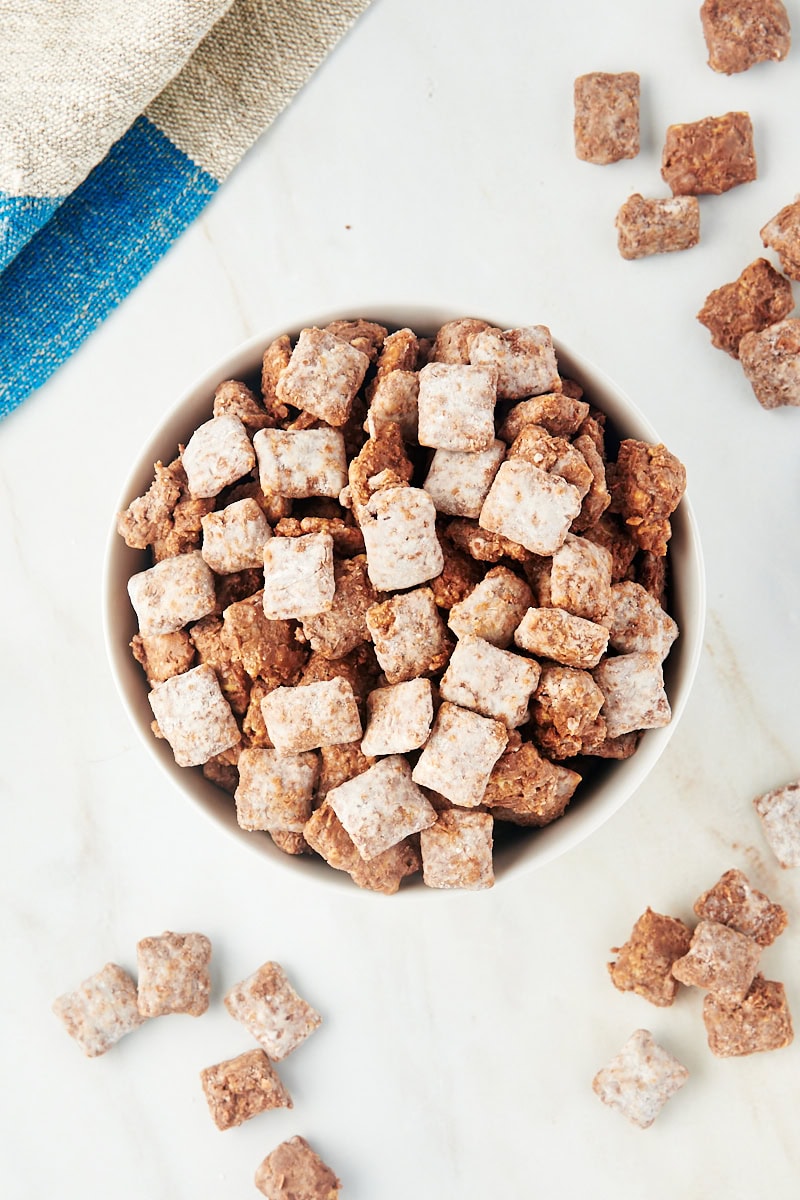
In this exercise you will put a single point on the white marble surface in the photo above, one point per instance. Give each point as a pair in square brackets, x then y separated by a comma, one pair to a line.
[430, 160]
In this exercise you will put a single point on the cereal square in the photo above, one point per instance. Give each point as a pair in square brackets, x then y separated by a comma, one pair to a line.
[640, 1079]
[493, 609]
[454, 339]
[563, 637]
[458, 482]
[409, 635]
[646, 488]
[758, 298]
[782, 234]
[710, 156]
[302, 462]
[565, 707]
[399, 717]
[101, 1010]
[496, 683]
[637, 622]
[633, 688]
[234, 537]
[760, 1022]
[526, 788]
[457, 851]
[163, 655]
[399, 528]
[530, 506]
[524, 358]
[266, 649]
[395, 399]
[555, 412]
[235, 399]
[459, 755]
[174, 974]
[384, 873]
[580, 578]
[311, 715]
[294, 1172]
[381, 807]
[657, 226]
[172, 593]
[733, 902]
[323, 375]
[217, 454]
[741, 33]
[606, 122]
[456, 406]
[644, 964]
[243, 1087]
[343, 627]
[720, 960]
[298, 576]
[275, 790]
[771, 362]
[779, 811]
[194, 716]
[271, 1010]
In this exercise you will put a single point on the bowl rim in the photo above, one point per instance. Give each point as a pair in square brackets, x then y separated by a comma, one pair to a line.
[525, 854]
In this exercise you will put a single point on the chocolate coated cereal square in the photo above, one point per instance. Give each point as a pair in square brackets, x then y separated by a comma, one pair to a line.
[381, 807]
[298, 576]
[644, 963]
[272, 1011]
[720, 960]
[234, 537]
[101, 1010]
[758, 298]
[493, 609]
[493, 682]
[525, 360]
[741, 33]
[174, 974]
[530, 506]
[657, 226]
[459, 755]
[399, 528]
[456, 406]
[172, 593]
[311, 715]
[216, 455]
[294, 1172]
[457, 851]
[771, 361]
[563, 637]
[243, 1087]
[761, 1021]
[782, 234]
[606, 122]
[409, 635]
[194, 716]
[275, 790]
[399, 717]
[300, 463]
[732, 901]
[458, 482]
[710, 156]
[322, 376]
[633, 688]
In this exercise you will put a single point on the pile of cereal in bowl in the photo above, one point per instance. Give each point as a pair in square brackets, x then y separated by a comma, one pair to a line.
[405, 596]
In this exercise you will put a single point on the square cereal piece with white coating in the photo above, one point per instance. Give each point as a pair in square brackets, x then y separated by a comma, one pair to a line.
[456, 406]
[637, 622]
[633, 687]
[720, 960]
[399, 528]
[271, 1010]
[457, 851]
[733, 902]
[640, 1079]
[301, 462]
[524, 358]
[782, 234]
[194, 716]
[172, 593]
[770, 359]
[217, 454]
[644, 964]
[395, 400]
[399, 717]
[580, 578]
[343, 627]
[459, 755]
[563, 637]
[458, 482]
[311, 715]
[409, 635]
[741, 33]
[493, 609]
[243, 1087]
[530, 506]
[493, 682]
[323, 376]
[275, 790]
[100, 1011]
[174, 974]
[234, 537]
[779, 811]
[384, 873]
[760, 1022]
[298, 576]
[657, 226]
[294, 1172]
[606, 124]
[381, 807]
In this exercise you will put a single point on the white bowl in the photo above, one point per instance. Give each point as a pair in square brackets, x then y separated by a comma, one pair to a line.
[595, 801]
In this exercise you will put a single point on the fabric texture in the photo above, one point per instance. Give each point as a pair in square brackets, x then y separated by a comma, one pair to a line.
[119, 119]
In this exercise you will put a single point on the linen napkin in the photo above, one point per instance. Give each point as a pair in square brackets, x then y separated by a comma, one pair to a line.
[119, 119]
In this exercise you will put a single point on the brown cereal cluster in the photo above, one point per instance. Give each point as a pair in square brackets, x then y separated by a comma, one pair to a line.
[402, 630]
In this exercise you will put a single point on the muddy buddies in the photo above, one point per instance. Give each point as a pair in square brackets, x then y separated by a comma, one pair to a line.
[401, 595]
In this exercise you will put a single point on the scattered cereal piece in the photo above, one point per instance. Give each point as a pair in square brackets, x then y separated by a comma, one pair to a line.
[530, 506]
[741, 33]
[556, 412]
[243, 1087]
[646, 488]
[384, 873]
[173, 974]
[303, 462]
[563, 637]
[644, 964]
[271, 1010]
[640, 1079]
[761, 1021]
[525, 360]
[395, 398]
[311, 715]
[381, 807]
[323, 376]
[459, 755]
[343, 627]
[779, 811]
[409, 635]
[719, 959]
[636, 621]
[493, 609]
[458, 482]
[758, 298]
[234, 537]
[456, 406]
[294, 1172]
[399, 528]
[457, 851]
[217, 454]
[493, 682]
[606, 117]
[400, 718]
[101, 1010]
[163, 655]
[194, 716]
[709, 156]
[275, 790]
[782, 234]
[298, 576]
[172, 593]
[633, 687]
[657, 226]
[733, 902]
[771, 361]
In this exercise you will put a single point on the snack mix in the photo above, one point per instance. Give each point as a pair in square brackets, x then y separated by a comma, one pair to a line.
[401, 593]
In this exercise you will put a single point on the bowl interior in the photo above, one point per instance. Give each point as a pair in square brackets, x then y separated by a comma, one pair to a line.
[613, 783]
